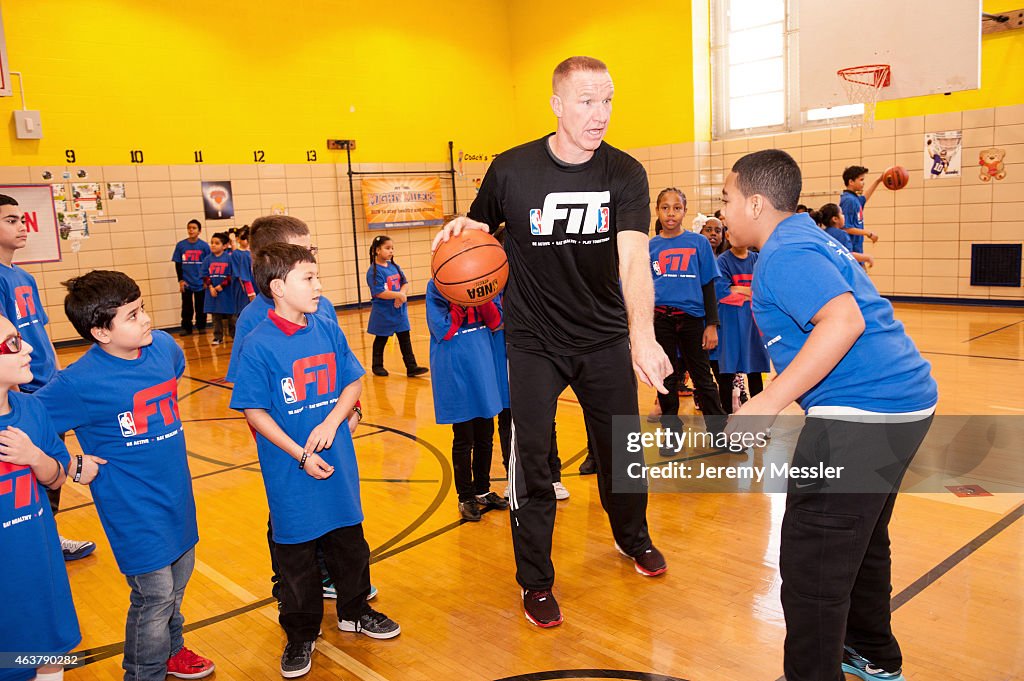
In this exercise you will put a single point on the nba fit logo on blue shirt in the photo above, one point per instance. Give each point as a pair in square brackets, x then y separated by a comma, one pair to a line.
[674, 262]
[584, 213]
[19, 481]
[321, 370]
[160, 399]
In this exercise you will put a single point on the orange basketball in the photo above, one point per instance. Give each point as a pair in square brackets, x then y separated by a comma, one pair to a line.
[895, 178]
[470, 269]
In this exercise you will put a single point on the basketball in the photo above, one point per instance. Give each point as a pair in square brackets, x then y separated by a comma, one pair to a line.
[895, 178]
[470, 269]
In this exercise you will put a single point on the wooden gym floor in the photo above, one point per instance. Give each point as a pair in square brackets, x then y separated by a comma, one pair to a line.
[714, 616]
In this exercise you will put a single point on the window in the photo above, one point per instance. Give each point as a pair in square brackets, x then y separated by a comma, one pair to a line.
[753, 59]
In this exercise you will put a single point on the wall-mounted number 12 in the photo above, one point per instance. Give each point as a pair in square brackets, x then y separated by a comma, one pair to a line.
[258, 157]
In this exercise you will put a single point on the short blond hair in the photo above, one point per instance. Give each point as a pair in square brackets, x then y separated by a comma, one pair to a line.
[572, 64]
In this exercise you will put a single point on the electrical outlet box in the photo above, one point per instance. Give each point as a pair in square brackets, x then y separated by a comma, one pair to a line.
[335, 145]
[27, 125]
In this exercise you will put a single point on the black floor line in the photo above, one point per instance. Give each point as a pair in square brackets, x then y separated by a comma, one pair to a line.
[954, 559]
[958, 354]
[1001, 328]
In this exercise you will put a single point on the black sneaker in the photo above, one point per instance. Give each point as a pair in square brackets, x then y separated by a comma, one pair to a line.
[380, 371]
[588, 467]
[541, 608]
[416, 371]
[372, 623]
[297, 659]
[491, 500]
[186, 332]
[650, 563]
[470, 510]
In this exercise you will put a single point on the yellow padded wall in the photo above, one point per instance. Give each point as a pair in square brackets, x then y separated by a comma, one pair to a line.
[646, 45]
[232, 77]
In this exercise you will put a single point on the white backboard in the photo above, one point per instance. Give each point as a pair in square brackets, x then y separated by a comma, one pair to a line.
[932, 46]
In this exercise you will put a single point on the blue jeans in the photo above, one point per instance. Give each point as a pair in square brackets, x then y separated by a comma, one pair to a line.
[153, 631]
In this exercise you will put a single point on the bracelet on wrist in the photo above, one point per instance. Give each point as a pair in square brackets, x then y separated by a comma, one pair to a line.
[78, 471]
[302, 461]
[359, 411]
[56, 476]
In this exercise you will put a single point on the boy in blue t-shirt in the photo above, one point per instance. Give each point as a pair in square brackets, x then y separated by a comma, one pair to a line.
[300, 384]
[20, 303]
[851, 202]
[219, 280]
[188, 259]
[826, 327]
[121, 399]
[38, 615]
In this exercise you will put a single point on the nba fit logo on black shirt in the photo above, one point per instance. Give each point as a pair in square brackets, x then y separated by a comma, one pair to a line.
[584, 213]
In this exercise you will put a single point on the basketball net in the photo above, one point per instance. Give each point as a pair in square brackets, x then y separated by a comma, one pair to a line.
[862, 85]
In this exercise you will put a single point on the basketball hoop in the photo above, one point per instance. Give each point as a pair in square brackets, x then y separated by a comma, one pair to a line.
[862, 85]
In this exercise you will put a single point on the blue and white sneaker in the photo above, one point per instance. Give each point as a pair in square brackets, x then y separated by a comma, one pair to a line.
[861, 667]
[331, 592]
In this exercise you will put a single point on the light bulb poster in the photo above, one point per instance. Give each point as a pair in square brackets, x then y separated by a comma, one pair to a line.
[217, 200]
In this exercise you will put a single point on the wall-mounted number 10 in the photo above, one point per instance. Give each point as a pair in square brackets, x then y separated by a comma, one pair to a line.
[137, 156]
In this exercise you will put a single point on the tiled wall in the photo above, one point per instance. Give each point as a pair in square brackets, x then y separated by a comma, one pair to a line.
[926, 230]
[162, 199]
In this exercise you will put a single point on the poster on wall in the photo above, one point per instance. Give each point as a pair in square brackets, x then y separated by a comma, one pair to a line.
[86, 196]
[116, 191]
[397, 202]
[217, 200]
[992, 165]
[60, 200]
[36, 204]
[942, 154]
[5, 72]
[74, 225]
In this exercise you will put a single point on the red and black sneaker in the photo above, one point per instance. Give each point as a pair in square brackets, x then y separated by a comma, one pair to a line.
[650, 563]
[541, 608]
[187, 665]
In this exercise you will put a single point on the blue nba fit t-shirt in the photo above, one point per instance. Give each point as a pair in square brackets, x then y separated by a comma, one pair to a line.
[385, 318]
[126, 411]
[464, 378]
[297, 379]
[841, 236]
[799, 270]
[218, 269]
[23, 308]
[740, 350]
[251, 317]
[191, 256]
[241, 270]
[852, 206]
[38, 614]
[681, 266]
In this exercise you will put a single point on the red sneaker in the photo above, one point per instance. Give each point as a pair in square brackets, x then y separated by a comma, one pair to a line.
[188, 665]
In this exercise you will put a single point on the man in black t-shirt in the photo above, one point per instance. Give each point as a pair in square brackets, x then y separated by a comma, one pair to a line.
[576, 213]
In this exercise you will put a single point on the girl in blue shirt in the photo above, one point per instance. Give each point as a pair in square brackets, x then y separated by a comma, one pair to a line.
[685, 307]
[389, 313]
[831, 219]
[467, 393]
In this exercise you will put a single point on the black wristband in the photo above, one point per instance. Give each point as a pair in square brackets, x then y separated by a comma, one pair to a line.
[302, 461]
[78, 471]
[56, 477]
[359, 411]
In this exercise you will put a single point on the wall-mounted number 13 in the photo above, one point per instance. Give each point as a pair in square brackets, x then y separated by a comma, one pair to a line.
[311, 155]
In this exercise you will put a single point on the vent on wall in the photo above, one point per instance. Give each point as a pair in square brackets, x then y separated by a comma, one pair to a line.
[995, 264]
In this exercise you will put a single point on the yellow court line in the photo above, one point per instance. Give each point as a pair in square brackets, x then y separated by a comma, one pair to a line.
[340, 657]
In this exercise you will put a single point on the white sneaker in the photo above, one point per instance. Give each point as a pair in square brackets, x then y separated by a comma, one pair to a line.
[75, 550]
[561, 493]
